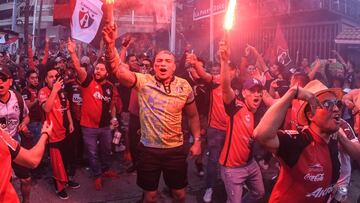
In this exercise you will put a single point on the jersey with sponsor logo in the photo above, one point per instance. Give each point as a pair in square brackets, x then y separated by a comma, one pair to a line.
[309, 167]
[9, 149]
[345, 170]
[97, 102]
[236, 151]
[10, 113]
[57, 115]
[74, 95]
[217, 115]
[31, 94]
[161, 110]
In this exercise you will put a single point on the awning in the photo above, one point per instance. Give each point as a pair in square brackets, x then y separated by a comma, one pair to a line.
[349, 36]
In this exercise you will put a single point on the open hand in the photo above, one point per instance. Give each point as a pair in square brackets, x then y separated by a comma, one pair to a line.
[109, 34]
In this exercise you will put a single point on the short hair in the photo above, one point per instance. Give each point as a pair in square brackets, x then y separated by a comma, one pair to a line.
[50, 69]
[301, 78]
[166, 52]
[129, 56]
[27, 75]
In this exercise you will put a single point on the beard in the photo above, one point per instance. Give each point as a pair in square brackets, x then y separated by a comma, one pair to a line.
[101, 79]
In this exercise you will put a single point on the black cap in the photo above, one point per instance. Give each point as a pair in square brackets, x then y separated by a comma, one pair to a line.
[4, 70]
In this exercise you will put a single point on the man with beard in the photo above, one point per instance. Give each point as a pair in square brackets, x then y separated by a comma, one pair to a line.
[310, 163]
[14, 119]
[97, 113]
[29, 94]
[54, 103]
[238, 166]
[162, 99]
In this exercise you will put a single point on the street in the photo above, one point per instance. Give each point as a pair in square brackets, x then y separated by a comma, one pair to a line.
[125, 190]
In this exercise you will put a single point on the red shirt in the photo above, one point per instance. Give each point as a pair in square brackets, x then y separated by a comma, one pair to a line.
[97, 103]
[57, 115]
[217, 115]
[237, 148]
[309, 167]
[9, 149]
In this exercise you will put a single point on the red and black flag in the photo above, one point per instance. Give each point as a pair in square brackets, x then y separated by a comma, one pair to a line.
[278, 50]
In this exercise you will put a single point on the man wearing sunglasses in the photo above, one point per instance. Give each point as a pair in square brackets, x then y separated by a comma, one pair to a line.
[13, 120]
[311, 165]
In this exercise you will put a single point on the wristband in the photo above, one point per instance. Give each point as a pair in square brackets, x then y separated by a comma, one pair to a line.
[45, 133]
[197, 139]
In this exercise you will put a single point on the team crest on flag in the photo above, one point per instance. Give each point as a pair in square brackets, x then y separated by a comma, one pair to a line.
[86, 20]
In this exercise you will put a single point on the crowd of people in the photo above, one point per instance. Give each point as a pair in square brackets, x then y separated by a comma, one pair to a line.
[234, 118]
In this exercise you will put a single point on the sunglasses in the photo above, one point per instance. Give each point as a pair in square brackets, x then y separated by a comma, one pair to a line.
[329, 104]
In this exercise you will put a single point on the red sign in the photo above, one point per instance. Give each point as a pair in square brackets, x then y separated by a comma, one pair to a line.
[202, 8]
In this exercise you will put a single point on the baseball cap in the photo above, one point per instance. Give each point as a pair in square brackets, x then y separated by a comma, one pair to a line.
[252, 82]
[5, 71]
[85, 60]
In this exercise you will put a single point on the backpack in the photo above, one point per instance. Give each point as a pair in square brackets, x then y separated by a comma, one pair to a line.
[21, 105]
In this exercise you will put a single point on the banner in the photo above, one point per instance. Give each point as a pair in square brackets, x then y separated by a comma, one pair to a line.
[86, 20]
[278, 50]
[63, 10]
[202, 8]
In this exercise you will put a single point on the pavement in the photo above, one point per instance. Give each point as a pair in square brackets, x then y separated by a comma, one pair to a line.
[125, 190]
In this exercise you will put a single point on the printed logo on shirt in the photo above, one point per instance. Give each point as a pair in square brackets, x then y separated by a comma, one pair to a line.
[99, 96]
[320, 192]
[315, 173]
[77, 99]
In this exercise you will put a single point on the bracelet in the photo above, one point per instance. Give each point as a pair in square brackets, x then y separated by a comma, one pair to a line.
[197, 139]
[45, 133]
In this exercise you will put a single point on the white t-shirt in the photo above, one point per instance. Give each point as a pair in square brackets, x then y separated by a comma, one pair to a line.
[10, 113]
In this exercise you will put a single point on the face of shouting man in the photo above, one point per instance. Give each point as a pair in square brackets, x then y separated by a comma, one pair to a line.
[327, 117]
[100, 72]
[5, 84]
[164, 66]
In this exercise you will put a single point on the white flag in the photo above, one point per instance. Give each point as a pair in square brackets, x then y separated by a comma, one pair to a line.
[86, 20]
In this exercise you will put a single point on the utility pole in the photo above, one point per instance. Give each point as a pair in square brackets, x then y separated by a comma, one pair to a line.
[13, 20]
[39, 24]
[34, 26]
[211, 30]
[26, 25]
[173, 28]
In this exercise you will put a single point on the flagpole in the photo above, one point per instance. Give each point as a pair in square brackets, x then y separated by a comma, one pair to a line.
[173, 28]
[13, 22]
[34, 22]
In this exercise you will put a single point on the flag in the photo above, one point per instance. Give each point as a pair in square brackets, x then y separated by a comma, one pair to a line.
[278, 50]
[63, 10]
[86, 20]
